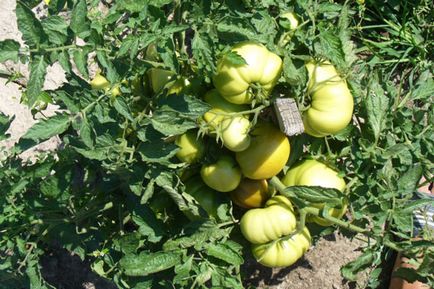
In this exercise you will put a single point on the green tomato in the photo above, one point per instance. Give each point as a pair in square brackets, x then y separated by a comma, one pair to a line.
[332, 103]
[99, 82]
[207, 198]
[275, 220]
[251, 193]
[222, 176]
[191, 147]
[283, 252]
[315, 173]
[160, 78]
[292, 18]
[261, 72]
[234, 130]
[267, 154]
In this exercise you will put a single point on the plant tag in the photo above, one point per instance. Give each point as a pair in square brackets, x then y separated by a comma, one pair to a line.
[289, 116]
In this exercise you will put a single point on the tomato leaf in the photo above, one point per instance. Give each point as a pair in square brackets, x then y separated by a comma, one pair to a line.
[44, 129]
[29, 25]
[225, 253]
[147, 263]
[9, 50]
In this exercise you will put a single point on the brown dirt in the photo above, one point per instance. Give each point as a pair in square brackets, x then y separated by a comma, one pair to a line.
[318, 269]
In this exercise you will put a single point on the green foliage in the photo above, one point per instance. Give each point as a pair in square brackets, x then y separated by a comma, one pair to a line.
[113, 192]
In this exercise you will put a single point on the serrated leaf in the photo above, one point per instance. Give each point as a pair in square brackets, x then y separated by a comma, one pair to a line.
[9, 50]
[225, 253]
[331, 48]
[112, 75]
[407, 183]
[315, 194]
[122, 108]
[79, 22]
[46, 128]
[80, 59]
[235, 58]
[148, 263]
[86, 133]
[30, 27]
[38, 70]
[56, 29]
[176, 114]
[63, 58]
[5, 123]
[350, 270]
[377, 106]
[149, 226]
[203, 52]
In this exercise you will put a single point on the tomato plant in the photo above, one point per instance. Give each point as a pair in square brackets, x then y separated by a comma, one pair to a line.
[117, 189]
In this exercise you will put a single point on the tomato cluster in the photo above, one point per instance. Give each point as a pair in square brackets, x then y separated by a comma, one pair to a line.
[255, 151]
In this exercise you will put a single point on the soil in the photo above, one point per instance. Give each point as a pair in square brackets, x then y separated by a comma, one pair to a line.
[318, 269]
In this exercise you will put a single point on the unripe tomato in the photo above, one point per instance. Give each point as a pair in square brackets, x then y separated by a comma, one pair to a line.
[207, 198]
[251, 193]
[235, 133]
[263, 225]
[191, 147]
[235, 82]
[292, 18]
[234, 129]
[99, 82]
[283, 252]
[332, 103]
[160, 77]
[222, 176]
[267, 154]
[315, 173]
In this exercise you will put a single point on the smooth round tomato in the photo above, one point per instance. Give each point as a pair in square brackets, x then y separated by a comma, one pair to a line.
[234, 130]
[222, 176]
[315, 173]
[262, 225]
[283, 252]
[241, 83]
[267, 154]
[191, 147]
[251, 193]
[207, 198]
[332, 103]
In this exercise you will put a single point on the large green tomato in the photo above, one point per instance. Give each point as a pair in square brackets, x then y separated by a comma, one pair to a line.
[191, 147]
[315, 173]
[332, 103]
[263, 225]
[282, 253]
[251, 193]
[222, 176]
[267, 154]
[207, 198]
[239, 83]
[234, 129]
